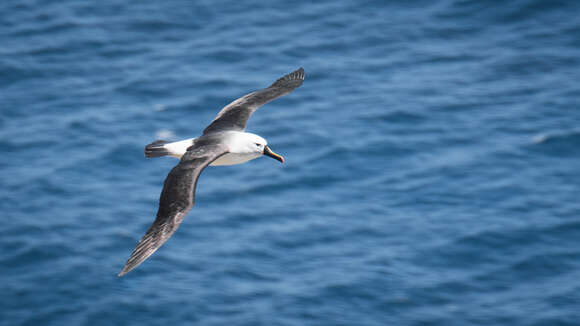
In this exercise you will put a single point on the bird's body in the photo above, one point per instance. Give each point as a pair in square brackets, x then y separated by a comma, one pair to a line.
[223, 142]
[232, 139]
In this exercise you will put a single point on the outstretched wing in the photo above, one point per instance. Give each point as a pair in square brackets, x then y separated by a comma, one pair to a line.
[177, 198]
[235, 115]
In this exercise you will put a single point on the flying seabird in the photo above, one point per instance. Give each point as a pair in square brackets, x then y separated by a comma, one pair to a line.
[223, 142]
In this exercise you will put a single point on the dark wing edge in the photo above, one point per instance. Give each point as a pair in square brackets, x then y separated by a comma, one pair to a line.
[177, 198]
[235, 115]
[291, 80]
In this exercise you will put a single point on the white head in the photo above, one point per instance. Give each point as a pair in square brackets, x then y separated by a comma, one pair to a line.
[251, 144]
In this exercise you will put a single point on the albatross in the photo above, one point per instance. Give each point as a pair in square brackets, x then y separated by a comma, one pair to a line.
[223, 142]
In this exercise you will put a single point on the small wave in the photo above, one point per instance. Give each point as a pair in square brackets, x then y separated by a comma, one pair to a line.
[573, 135]
[557, 143]
[165, 134]
[159, 107]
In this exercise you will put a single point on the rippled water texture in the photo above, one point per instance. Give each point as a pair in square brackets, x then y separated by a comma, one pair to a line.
[431, 175]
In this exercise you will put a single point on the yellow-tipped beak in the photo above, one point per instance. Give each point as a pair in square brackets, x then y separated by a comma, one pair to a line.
[269, 152]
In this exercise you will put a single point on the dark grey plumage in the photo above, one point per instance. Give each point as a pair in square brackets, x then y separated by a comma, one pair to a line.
[177, 198]
[235, 115]
[178, 194]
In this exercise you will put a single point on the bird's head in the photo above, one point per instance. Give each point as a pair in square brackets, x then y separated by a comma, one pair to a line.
[254, 144]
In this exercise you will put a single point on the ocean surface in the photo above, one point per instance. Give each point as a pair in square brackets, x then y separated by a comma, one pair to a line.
[432, 172]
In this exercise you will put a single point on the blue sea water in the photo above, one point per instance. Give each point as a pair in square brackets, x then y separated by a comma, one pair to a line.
[432, 169]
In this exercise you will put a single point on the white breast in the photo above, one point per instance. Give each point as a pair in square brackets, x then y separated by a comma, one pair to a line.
[232, 159]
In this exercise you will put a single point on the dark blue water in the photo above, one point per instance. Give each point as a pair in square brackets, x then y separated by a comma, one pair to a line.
[432, 171]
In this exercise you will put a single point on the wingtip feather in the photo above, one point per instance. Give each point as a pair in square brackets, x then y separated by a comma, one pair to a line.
[145, 248]
[126, 269]
[292, 80]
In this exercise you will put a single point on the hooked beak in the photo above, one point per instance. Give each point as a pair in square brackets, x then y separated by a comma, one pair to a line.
[268, 152]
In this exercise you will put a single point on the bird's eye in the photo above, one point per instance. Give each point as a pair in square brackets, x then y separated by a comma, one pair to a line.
[258, 144]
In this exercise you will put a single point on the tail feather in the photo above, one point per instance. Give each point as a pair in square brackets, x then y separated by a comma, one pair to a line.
[156, 149]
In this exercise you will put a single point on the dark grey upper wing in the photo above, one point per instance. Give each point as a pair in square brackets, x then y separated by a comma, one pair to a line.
[235, 115]
[177, 198]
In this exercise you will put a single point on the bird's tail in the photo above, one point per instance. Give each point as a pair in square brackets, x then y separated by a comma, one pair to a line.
[156, 149]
